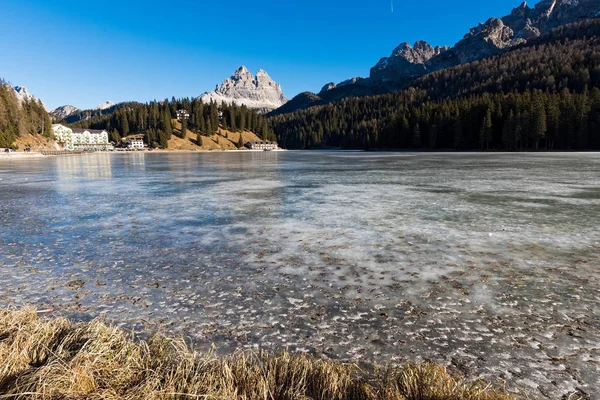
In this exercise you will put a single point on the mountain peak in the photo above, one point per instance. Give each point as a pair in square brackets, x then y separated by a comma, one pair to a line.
[105, 105]
[63, 112]
[260, 92]
[422, 45]
[23, 95]
[22, 90]
[241, 72]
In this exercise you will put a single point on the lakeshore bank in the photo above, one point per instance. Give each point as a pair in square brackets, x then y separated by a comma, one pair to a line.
[50, 358]
[13, 155]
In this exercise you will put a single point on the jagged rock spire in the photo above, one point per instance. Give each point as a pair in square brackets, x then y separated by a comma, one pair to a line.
[260, 92]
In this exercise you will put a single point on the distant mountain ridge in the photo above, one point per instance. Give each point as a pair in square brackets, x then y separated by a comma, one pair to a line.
[63, 112]
[242, 88]
[487, 39]
[409, 62]
[66, 111]
[542, 94]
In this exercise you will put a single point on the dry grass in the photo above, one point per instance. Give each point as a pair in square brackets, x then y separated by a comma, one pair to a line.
[57, 359]
[36, 143]
[222, 140]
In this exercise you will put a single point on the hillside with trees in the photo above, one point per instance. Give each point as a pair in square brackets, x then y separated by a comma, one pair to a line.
[156, 120]
[19, 119]
[542, 95]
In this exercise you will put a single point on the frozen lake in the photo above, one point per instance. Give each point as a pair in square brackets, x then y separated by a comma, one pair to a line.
[487, 262]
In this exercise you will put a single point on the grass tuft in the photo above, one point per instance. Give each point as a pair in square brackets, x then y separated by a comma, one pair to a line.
[54, 358]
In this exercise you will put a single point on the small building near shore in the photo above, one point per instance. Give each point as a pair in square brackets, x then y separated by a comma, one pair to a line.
[135, 143]
[82, 139]
[265, 145]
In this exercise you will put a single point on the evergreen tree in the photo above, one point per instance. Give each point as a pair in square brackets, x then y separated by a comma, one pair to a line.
[184, 125]
[166, 124]
[114, 136]
[538, 122]
[214, 118]
[124, 124]
[485, 133]
[416, 136]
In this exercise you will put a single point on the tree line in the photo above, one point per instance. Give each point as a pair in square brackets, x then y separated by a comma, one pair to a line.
[20, 118]
[542, 95]
[155, 120]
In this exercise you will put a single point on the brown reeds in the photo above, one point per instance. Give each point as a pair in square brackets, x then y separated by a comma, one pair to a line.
[56, 359]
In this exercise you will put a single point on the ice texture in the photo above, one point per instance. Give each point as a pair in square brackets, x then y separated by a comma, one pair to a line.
[485, 262]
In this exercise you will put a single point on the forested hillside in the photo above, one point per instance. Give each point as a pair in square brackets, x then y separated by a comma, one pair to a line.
[19, 119]
[155, 120]
[541, 95]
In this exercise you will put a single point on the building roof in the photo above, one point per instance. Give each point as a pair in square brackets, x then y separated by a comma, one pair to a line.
[135, 136]
[93, 131]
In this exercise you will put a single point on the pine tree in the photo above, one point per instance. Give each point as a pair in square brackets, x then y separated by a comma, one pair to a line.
[508, 131]
[184, 124]
[166, 125]
[416, 136]
[124, 124]
[114, 136]
[538, 122]
[485, 133]
[214, 118]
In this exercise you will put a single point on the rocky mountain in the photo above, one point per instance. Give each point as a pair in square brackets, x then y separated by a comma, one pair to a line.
[406, 60]
[409, 62]
[243, 88]
[487, 39]
[23, 94]
[105, 105]
[63, 112]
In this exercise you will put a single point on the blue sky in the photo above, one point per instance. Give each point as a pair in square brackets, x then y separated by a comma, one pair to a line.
[85, 52]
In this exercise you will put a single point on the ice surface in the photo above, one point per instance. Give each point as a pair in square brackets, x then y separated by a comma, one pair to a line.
[488, 262]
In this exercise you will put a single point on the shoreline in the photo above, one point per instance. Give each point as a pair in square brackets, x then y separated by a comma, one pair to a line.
[20, 155]
[90, 359]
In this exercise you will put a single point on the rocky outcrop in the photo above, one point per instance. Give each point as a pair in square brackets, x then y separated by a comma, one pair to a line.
[242, 88]
[405, 62]
[483, 41]
[63, 112]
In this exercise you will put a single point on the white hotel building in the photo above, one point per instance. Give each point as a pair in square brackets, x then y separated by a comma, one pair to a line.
[81, 139]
